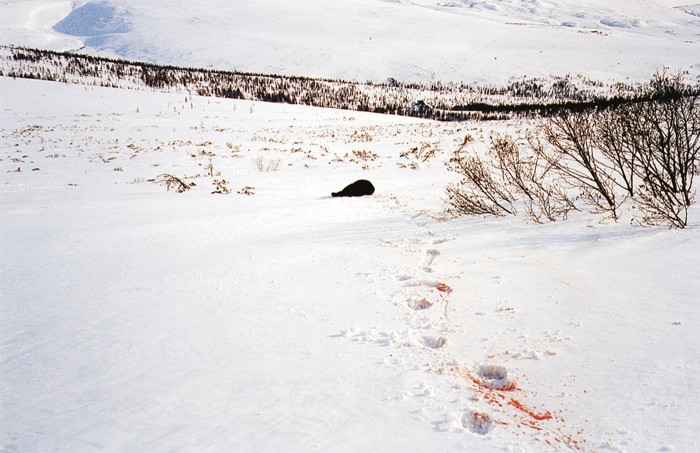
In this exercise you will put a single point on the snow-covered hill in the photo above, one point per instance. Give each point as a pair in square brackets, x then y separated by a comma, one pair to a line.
[277, 318]
[424, 40]
[253, 312]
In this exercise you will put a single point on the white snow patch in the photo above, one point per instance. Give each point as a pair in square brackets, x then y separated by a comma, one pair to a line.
[134, 318]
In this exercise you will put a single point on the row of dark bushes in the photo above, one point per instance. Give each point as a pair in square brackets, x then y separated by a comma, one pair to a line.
[436, 100]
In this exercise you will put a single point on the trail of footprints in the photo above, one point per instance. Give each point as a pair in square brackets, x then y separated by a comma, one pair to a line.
[421, 300]
[423, 295]
[496, 399]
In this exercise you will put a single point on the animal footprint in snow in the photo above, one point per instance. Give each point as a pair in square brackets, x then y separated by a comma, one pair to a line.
[443, 288]
[532, 354]
[434, 342]
[556, 337]
[477, 422]
[494, 377]
[429, 258]
[420, 303]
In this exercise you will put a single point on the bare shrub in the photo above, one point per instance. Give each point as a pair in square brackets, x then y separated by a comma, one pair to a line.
[247, 190]
[425, 152]
[646, 150]
[573, 154]
[653, 147]
[172, 182]
[667, 136]
[482, 190]
[532, 178]
[220, 187]
[211, 172]
[365, 155]
[615, 131]
[267, 166]
[418, 155]
[513, 173]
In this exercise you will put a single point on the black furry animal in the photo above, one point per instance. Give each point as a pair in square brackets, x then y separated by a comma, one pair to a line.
[356, 189]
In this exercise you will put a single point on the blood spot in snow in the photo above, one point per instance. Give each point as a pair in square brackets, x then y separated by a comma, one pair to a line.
[477, 422]
[422, 304]
[520, 406]
[443, 288]
[491, 384]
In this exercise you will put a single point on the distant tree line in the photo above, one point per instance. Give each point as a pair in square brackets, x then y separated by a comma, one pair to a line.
[435, 100]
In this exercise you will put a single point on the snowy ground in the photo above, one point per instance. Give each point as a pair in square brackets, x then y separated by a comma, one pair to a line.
[424, 40]
[137, 319]
[276, 318]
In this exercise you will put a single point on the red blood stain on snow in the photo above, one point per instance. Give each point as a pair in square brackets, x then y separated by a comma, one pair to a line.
[443, 288]
[480, 423]
[507, 400]
[539, 417]
[445, 291]
[424, 304]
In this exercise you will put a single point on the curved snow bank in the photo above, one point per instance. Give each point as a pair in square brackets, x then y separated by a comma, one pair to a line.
[95, 21]
[43, 17]
[30, 23]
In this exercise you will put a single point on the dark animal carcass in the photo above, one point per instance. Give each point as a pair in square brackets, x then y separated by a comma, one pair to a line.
[356, 189]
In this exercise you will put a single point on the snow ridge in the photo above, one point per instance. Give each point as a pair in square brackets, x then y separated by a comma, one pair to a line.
[95, 22]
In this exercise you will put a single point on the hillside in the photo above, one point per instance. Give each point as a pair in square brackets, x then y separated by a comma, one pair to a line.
[175, 276]
[272, 316]
[485, 42]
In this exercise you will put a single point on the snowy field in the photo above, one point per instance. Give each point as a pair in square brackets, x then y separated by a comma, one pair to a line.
[418, 40]
[276, 318]
[139, 319]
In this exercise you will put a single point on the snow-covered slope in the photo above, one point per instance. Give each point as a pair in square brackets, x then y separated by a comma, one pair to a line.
[470, 41]
[277, 318]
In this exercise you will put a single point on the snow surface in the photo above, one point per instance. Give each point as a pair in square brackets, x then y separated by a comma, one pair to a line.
[137, 319]
[485, 41]
[277, 318]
